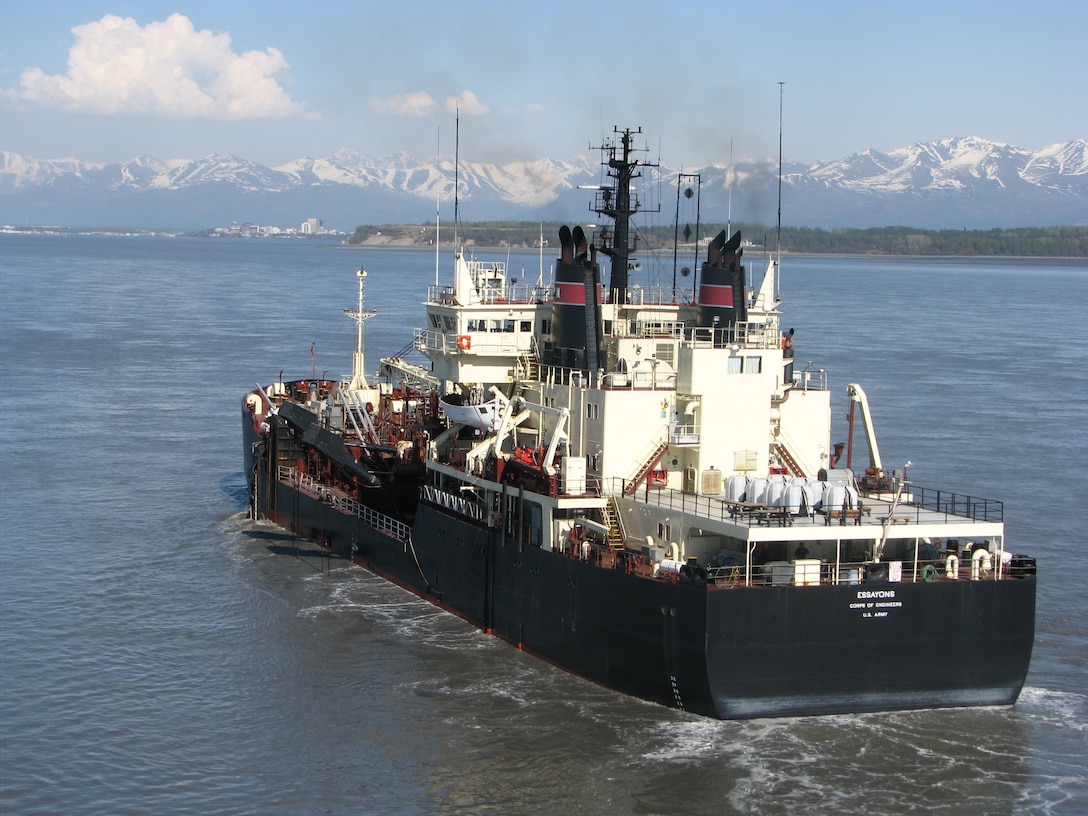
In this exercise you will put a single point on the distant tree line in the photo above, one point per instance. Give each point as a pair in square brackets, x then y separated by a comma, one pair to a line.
[1063, 242]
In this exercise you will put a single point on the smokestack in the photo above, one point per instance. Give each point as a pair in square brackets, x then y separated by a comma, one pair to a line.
[721, 285]
[576, 304]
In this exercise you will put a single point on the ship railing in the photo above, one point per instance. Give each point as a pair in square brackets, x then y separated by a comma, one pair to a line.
[648, 328]
[346, 504]
[297, 477]
[745, 334]
[593, 486]
[649, 380]
[371, 517]
[957, 504]
[485, 343]
[522, 293]
[917, 500]
[440, 294]
[809, 380]
[425, 340]
[517, 293]
[918, 505]
[710, 507]
[659, 296]
[880, 575]
[396, 370]
[687, 434]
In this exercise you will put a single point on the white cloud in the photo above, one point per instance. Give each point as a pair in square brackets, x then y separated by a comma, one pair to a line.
[165, 68]
[467, 103]
[417, 103]
[421, 103]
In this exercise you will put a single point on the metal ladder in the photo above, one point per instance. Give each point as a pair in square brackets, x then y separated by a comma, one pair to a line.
[611, 520]
[647, 466]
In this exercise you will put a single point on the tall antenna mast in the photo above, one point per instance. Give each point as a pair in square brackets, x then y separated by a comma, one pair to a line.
[617, 203]
[437, 209]
[729, 208]
[778, 226]
[358, 368]
[456, 177]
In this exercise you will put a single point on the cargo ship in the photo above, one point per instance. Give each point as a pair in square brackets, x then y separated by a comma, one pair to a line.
[637, 485]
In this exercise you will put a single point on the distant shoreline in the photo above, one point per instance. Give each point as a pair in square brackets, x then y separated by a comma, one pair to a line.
[402, 239]
[549, 253]
[1025, 242]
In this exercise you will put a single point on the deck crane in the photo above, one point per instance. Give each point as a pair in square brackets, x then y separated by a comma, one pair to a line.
[874, 478]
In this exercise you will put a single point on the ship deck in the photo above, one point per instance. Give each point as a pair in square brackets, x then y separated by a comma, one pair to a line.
[921, 514]
[747, 522]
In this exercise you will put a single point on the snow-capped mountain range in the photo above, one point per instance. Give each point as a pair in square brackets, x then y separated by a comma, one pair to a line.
[952, 183]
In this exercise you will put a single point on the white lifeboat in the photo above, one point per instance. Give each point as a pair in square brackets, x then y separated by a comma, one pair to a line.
[482, 415]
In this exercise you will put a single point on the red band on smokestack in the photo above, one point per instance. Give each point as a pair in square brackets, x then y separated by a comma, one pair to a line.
[713, 295]
[570, 294]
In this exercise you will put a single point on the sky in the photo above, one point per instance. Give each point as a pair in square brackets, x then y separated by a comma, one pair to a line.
[273, 81]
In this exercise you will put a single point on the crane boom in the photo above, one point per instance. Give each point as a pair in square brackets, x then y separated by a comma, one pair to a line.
[857, 395]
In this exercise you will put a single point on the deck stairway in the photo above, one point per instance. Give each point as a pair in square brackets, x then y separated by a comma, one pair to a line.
[647, 466]
[787, 459]
[528, 367]
[612, 522]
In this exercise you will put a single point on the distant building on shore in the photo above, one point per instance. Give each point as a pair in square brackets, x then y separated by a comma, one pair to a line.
[311, 227]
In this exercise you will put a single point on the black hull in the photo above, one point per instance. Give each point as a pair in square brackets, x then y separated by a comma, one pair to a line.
[723, 652]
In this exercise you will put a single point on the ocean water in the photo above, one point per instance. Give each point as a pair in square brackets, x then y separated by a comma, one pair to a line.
[159, 653]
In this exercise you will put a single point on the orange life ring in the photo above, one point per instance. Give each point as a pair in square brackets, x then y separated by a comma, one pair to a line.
[464, 342]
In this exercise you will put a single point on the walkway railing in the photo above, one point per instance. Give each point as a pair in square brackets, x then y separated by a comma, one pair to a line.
[917, 501]
[875, 576]
[956, 504]
[345, 504]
